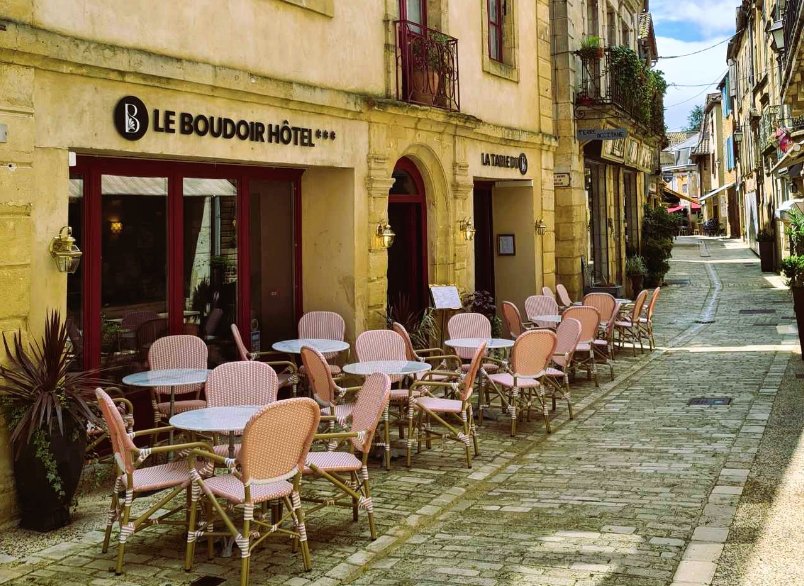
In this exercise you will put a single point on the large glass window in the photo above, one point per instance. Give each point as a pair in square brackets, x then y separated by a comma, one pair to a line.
[496, 14]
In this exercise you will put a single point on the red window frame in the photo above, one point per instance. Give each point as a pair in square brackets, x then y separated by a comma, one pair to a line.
[91, 169]
[495, 26]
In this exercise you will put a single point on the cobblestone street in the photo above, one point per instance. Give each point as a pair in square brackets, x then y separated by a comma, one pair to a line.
[640, 489]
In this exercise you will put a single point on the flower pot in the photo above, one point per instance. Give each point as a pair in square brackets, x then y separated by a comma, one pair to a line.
[423, 86]
[41, 507]
[798, 307]
[766, 256]
[636, 284]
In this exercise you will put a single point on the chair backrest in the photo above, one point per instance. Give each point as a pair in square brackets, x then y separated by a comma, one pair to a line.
[540, 305]
[589, 318]
[276, 440]
[568, 333]
[213, 321]
[241, 383]
[410, 352]
[372, 399]
[122, 445]
[134, 319]
[639, 302]
[513, 319]
[532, 351]
[178, 352]
[322, 325]
[148, 332]
[603, 302]
[548, 292]
[241, 347]
[610, 325]
[381, 345]
[563, 295]
[652, 303]
[468, 325]
[468, 382]
[319, 376]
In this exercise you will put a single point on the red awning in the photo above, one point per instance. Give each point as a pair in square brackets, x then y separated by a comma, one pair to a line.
[693, 206]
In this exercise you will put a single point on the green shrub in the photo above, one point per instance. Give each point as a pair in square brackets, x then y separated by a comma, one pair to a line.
[793, 270]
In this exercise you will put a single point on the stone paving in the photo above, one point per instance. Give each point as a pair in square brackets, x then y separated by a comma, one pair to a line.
[639, 489]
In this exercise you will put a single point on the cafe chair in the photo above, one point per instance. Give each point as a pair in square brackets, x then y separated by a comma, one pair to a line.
[568, 333]
[434, 356]
[471, 325]
[133, 481]
[287, 371]
[269, 467]
[541, 305]
[323, 325]
[330, 397]
[530, 355]
[513, 320]
[564, 300]
[603, 346]
[646, 321]
[343, 469]
[548, 292]
[589, 318]
[628, 328]
[455, 415]
[236, 384]
[181, 351]
[604, 303]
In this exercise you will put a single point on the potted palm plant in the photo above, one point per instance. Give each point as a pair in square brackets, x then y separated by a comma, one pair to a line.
[765, 242]
[46, 407]
[636, 270]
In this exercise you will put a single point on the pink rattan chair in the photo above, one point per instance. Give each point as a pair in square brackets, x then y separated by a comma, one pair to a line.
[628, 328]
[330, 397]
[568, 333]
[530, 356]
[372, 400]
[288, 373]
[604, 303]
[435, 356]
[276, 441]
[386, 345]
[513, 320]
[646, 321]
[548, 292]
[589, 317]
[440, 410]
[604, 345]
[564, 300]
[470, 325]
[133, 481]
[323, 325]
[541, 305]
[177, 352]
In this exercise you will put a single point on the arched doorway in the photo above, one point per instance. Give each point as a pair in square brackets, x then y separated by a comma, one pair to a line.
[407, 257]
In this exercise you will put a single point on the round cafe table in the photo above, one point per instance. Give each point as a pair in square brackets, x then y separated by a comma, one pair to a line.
[391, 368]
[322, 345]
[229, 420]
[546, 319]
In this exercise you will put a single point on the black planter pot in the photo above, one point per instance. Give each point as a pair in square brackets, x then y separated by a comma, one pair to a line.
[41, 507]
[766, 256]
[636, 284]
[798, 306]
[615, 290]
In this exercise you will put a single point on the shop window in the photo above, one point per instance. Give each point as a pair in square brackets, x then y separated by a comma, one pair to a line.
[500, 38]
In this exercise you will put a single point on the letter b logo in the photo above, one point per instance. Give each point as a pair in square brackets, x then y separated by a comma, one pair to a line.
[131, 118]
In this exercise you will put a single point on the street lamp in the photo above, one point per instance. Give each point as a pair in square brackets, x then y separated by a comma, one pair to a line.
[776, 30]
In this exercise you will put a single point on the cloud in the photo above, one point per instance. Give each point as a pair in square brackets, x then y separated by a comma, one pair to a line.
[709, 17]
[702, 68]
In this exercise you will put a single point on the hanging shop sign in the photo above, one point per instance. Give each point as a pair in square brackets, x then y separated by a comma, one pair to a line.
[601, 134]
[491, 160]
[133, 120]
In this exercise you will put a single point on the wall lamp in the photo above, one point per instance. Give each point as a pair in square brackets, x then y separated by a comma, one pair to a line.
[116, 227]
[776, 31]
[541, 227]
[467, 228]
[385, 234]
[65, 253]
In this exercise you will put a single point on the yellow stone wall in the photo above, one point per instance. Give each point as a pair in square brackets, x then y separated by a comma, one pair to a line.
[314, 63]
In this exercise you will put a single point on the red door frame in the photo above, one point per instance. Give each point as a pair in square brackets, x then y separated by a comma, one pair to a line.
[403, 11]
[92, 168]
[419, 200]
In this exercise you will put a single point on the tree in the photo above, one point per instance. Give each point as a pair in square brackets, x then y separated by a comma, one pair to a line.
[694, 119]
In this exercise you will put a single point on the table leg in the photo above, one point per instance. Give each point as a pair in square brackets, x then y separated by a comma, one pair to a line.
[231, 445]
[170, 414]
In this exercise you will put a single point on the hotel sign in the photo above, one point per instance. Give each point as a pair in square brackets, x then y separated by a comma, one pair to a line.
[132, 119]
[491, 160]
[602, 134]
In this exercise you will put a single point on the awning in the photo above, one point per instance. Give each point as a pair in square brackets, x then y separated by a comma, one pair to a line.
[790, 158]
[693, 206]
[678, 195]
[781, 213]
[715, 192]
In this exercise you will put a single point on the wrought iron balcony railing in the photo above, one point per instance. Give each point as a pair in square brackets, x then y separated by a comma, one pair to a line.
[773, 118]
[605, 83]
[791, 22]
[427, 67]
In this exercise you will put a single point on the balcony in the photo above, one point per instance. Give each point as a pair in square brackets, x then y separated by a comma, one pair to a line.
[774, 117]
[427, 67]
[607, 82]
[792, 89]
[792, 25]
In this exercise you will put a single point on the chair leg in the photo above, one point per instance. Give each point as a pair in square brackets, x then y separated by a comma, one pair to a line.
[355, 482]
[387, 439]
[466, 433]
[473, 431]
[125, 531]
[545, 411]
[512, 409]
[112, 515]
[366, 489]
[298, 517]
[189, 554]
[409, 441]
[567, 397]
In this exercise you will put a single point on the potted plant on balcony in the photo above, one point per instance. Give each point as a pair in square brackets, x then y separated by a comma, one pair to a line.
[46, 407]
[591, 47]
[765, 241]
[793, 268]
[636, 270]
[429, 55]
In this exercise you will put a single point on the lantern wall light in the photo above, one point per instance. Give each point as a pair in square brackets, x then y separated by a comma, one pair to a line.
[116, 227]
[541, 227]
[465, 225]
[64, 251]
[385, 234]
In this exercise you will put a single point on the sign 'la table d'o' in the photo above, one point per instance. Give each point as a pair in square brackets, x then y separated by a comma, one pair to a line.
[601, 134]
[445, 297]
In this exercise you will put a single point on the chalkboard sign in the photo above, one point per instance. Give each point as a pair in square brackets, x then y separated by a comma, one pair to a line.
[445, 297]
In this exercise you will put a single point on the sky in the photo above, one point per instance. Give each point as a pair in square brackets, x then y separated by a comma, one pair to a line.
[682, 27]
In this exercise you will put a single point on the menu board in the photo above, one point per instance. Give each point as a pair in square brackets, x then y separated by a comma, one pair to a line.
[445, 297]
